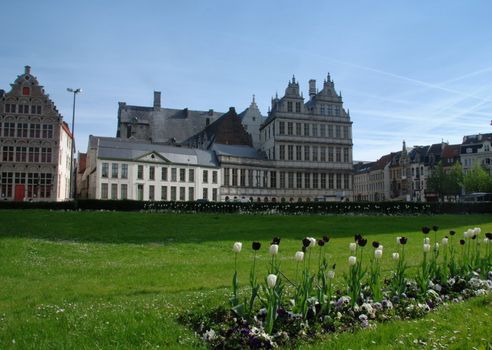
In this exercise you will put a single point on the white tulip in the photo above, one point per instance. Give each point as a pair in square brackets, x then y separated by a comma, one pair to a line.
[398, 240]
[273, 249]
[352, 260]
[436, 247]
[331, 274]
[486, 240]
[380, 247]
[445, 241]
[427, 248]
[426, 240]
[236, 248]
[353, 247]
[396, 256]
[477, 230]
[465, 234]
[271, 280]
[299, 256]
[312, 242]
[378, 253]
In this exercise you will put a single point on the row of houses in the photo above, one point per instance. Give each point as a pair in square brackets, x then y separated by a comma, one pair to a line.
[403, 175]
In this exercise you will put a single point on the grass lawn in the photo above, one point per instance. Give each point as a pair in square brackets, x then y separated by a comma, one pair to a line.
[98, 280]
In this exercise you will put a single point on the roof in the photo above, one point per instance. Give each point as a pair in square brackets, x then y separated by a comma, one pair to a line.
[382, 162]
[131, 150]
[451, 151]
[477, 138]
[236, 151]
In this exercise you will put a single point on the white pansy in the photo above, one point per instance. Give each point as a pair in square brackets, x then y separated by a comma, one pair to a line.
[396, 256]
[352, 260]
[299, 256]
[236, 248]
[427, 248]
[378, 253]
[271, 280]
[353, 247]
[331, 274]
[445, 241]
[273, 249]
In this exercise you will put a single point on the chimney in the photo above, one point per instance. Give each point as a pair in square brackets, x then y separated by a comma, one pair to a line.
[27, 69]
[157, 99]
[312, 87]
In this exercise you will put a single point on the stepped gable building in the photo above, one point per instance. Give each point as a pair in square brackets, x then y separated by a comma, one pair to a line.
[35, 144]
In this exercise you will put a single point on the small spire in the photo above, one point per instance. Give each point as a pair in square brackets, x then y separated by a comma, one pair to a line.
[254, 98]
[293, 79]
[328, 76]
[340, 94]
[276, 95]
[302, 94]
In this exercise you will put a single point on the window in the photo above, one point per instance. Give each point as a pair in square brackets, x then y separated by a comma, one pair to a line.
[26, 91]
[315, 180]
[330, 131]
[205, 176]
[250, 177]
[299, 180]
[105, 170]
[10, 108]
[182, 175]
[330, 181]
[21, 154]
[191, 175]
[45, 154]
[290, 128]
[290, 152]
[9, 129]
[114, 170]
[124, 171]
[140, 171]
[35, 109]
[33, 156]
[323, 154]
[173, 193]
[214, 194]
[214, 176]
[242, 174]
[337, 132]
[337, 110]
[346, 155]
[47, 131]
[298, 152]
[24, 109]
[282, 179]
[164, 174]
[174, 174]
[151, 192]
[6, 184]
[323, 181]
[330, 109]
[346, 181]
[289, 106]
[307, 180]
[282, 152]
[339, 181]
[338, 154]
[322, 130]
[104, 191]
[306, 129]
[306, 152]
[114, 191]
[124, 191]
[330, 154]
[322, 109]
[234, 177]
[290, 179]
[281, 126]
[298, 107]
[205, 193]
[164, 193]
[22, 129]
[345, 132]
[315, 153]
[273, 179]
[151, 173]
[298, 129]
[35, 131]
[8, 154]
[226, 177]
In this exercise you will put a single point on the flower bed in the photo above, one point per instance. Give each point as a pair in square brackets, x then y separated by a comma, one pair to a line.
[283, 310]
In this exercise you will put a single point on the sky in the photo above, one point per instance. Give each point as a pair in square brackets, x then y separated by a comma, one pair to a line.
[419, 71]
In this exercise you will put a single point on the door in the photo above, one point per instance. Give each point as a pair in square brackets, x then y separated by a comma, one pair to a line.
[20, 192]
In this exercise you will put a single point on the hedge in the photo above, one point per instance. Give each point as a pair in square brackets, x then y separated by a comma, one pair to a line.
[385, 208]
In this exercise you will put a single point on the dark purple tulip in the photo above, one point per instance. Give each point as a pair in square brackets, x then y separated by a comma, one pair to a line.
[403, 240]
[321, 242]
[303, 249]
[334, 266]
[357, 237]
[435, 228]
[474, 237]
[375, 244]
[256, 245]
[425, 230]
[462, 241]
[362, 242]
[452, 233]
[488, 235]
[326, 239]
[306, 242]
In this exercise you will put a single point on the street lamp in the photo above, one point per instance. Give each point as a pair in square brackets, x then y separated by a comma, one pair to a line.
[75, 92]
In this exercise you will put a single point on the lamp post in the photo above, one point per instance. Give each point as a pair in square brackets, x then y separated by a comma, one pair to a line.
[75, 92]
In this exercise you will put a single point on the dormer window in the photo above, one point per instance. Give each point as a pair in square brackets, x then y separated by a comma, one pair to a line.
[26, 91]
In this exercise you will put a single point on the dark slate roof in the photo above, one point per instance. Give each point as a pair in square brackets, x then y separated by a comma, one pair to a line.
[236, 151]
[363, 167]
[382, 162]
[476, 138]
[131, 150]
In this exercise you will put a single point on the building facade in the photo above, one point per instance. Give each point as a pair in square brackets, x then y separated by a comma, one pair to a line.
[476, 150]
[35, 144]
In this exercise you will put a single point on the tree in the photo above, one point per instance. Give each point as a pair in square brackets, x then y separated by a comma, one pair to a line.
[477, 180]
[445, 182]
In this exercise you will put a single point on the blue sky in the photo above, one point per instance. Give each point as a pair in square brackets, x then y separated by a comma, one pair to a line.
[414, 70]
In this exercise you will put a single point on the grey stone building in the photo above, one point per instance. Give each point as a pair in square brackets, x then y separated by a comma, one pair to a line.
[35, 144]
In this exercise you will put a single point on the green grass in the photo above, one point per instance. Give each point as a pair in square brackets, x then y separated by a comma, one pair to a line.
[91, 280]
